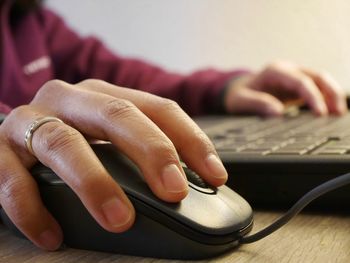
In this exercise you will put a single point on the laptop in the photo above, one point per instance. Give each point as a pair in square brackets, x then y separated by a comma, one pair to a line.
[272, 162]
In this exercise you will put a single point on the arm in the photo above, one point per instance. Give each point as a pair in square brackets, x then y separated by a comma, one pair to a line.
[77, 58]
[266, 92]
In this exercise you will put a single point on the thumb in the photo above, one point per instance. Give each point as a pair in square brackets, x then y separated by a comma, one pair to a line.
[253, 102]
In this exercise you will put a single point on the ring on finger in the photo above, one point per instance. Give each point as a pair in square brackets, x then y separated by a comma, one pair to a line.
[28, 137]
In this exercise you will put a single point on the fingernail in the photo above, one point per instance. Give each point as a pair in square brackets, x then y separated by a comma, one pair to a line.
[116, 212]
[173, 180]
[216, 167]
[48, 240]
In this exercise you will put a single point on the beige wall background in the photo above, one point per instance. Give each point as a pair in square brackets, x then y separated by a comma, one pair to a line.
[185, 35]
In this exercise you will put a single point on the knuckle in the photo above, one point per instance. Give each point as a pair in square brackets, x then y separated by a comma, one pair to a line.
[91, 183]
[8, 184]
[87, 83]
[95, 84]
[17, 112]
[323, 75]
[153, 146]
[201, 140]
[305, 83]
[55, 137]
[200, 137]
[277, 65]
[50, 87]
[117, 108]
[168, 105]
[12, 192]
[11, 122]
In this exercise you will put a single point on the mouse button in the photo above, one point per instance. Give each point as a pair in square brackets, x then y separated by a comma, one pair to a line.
[127, 175]
[44, 175]
[243, 211]
[203, 213]
[179, 227]
[208, 214]
[121, 168]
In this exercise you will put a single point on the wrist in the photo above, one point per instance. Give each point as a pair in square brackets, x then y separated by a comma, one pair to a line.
[229, 90]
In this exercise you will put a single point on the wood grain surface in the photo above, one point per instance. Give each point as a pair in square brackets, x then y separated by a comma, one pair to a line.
[310, 237]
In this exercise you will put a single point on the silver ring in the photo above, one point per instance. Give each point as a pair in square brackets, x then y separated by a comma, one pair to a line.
[28, 137]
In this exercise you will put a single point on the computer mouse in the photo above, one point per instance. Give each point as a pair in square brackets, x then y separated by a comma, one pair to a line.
[208, 222]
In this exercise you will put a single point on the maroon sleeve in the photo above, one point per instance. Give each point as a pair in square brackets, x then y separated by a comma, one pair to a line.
[77, 58]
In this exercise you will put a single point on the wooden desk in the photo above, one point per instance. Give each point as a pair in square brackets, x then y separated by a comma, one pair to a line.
[310, 237]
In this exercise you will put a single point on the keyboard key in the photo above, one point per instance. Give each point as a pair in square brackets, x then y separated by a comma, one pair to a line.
[330, 152]
[290, 152]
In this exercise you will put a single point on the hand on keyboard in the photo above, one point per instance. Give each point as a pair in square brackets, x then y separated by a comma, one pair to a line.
[270, 91]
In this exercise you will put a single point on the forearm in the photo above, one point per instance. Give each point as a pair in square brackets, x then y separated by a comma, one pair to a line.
[197, 93]
[76, 58]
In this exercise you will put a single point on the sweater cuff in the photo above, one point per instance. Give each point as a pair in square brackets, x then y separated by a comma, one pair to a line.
[220, 89]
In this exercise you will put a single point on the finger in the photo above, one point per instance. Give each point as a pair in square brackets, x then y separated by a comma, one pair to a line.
[67, 153]
[19, 197]
[289, 77]
[334, 95]
[191, 142]
[108, 118]
[243, 100]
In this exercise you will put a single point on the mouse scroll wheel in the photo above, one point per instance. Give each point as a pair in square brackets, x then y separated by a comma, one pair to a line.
[194, 178]
[196, 182]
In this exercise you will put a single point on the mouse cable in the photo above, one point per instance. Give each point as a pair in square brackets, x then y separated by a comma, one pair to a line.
[316, 192]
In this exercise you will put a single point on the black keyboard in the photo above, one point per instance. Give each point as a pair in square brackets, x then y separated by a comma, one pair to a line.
[274, 161]
[289, 135]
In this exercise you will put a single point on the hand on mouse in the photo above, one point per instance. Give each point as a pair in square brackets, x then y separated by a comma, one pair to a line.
[150, 130]
[281, 84]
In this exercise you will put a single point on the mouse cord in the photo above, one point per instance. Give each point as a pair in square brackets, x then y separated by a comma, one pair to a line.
[298, 206]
